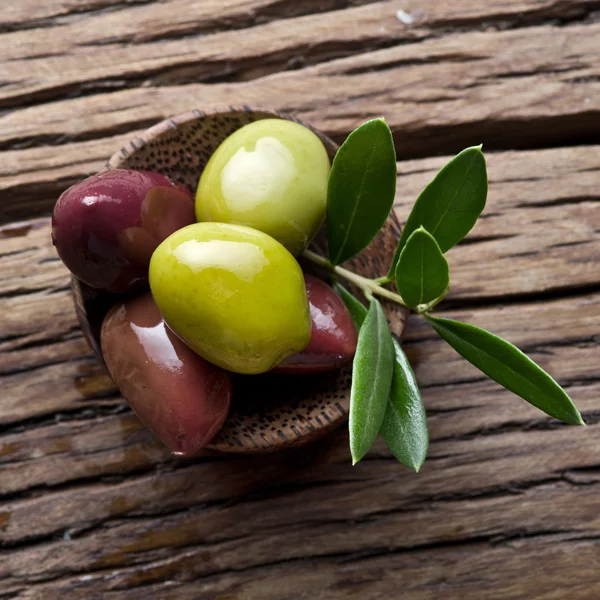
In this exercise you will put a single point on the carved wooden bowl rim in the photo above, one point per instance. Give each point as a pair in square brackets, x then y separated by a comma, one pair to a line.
[269, 412]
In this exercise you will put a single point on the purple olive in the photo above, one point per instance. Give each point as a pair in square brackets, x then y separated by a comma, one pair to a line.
[333, 337]
[106, 227]
[179, 396]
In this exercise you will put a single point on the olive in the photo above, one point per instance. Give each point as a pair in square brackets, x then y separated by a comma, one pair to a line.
[179, 396]
[106, 227]
[235, 295]
[270, 175]
[333, 338]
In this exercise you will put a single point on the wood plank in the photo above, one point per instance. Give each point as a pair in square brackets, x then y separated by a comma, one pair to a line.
[175, 543]
[140, 20]
[537, 103]
[31, 14]
[533, 569]
[91, 49]
[170, 518]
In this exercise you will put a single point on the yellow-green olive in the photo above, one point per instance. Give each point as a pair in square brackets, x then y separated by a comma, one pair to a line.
[270, 175]
[234, 294]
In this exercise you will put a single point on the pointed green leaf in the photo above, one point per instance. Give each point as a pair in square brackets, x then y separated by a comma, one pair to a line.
[357, 310]
[508, 366]
[371, 380]
[422, 274]
[361, 189]
[451, 204]
[404, 427]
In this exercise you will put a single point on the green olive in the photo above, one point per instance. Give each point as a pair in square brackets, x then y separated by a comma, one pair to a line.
[270, 175]
[234, 294]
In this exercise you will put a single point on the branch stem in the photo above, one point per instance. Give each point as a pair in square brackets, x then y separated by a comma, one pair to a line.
[363, 283]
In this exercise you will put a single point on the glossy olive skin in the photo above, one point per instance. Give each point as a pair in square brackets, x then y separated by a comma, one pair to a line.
[333, 338]
[106, 227]
[235, 295]
[179, 396]
[270, 175]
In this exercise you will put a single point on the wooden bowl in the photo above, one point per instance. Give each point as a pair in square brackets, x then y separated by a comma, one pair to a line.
[269, 411]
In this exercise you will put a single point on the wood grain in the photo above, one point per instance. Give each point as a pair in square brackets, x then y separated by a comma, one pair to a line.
[506, 505]
[461, 89]
[68, 56]
[447, 71]
[522, 453]
[145, 20]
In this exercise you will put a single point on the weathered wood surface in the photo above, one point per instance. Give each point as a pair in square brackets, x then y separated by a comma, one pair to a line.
[507, 504]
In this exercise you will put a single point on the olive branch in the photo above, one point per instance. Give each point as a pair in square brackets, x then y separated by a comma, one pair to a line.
[385, 398]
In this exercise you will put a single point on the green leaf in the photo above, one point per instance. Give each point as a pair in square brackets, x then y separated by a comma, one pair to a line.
[361, 189]
[404, 427]
[422, 274]
[371, 380]
[357, 310]
[451, 204]
[508, 366]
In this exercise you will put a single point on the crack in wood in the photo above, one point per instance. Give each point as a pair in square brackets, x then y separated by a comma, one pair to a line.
[253, 15]
[560, 202]
[71, 10]
[384, 66]
[478, 239]
[490, 301]
[28, 341]
[19, 292]
[76, 414]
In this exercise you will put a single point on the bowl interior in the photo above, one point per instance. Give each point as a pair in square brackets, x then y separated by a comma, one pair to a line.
[269, 411]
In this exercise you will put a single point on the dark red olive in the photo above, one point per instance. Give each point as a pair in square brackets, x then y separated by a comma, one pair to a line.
[333, 337]
[106, 227]
[179, 396]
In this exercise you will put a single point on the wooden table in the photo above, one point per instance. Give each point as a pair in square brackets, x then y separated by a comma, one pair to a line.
[507, 505]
